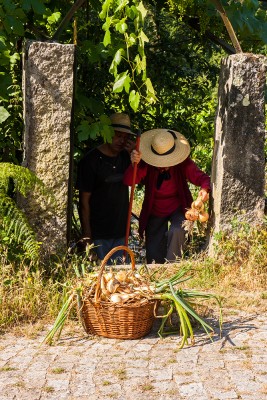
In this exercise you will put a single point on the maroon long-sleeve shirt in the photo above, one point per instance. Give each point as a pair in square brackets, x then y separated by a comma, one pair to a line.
[185, 172]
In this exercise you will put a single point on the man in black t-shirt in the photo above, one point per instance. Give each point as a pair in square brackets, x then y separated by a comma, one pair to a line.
[103, 198]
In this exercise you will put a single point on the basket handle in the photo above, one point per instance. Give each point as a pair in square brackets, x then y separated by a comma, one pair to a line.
[102, 267]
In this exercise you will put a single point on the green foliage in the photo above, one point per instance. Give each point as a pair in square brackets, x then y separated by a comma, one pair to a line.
[19, 20]
[15, 230]
[128, 50]
[185, 91]
[12, 19]
[17, 237]
[248, 18]
[189, 71]
[95, 129]
[202, 155]
[154, 60]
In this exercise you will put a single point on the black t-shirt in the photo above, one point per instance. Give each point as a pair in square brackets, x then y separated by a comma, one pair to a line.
[102, 176]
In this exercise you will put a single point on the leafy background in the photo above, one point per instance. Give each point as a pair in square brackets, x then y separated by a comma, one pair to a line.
[157, 60]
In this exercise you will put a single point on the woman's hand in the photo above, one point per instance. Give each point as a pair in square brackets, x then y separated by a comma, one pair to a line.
[135, 156]
[203, 194]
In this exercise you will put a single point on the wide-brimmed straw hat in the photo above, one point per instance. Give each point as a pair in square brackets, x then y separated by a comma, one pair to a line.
[121, 122]
[163, 147]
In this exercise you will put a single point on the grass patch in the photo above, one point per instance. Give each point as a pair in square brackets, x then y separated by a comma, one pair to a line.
[48, 389]
[7, 368]
[106, 383]
[58, 370]
[113, 395]
[121, 373]
[171, 392]
[242, 348]
[32, 295]
[237, 272]
[20, 384]
[146, 387]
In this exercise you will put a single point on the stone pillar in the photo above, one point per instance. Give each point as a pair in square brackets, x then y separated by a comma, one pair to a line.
[238, 175]
[48, 80]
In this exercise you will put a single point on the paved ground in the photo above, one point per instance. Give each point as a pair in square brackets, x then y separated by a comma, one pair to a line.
[78, 367]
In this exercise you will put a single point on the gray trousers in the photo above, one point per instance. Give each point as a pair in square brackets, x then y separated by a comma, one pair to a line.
[164, 242]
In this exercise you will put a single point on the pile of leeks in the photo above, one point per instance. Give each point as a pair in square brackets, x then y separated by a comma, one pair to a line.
[126, 287]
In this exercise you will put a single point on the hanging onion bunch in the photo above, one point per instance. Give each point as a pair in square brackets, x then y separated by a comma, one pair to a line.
[197, 211]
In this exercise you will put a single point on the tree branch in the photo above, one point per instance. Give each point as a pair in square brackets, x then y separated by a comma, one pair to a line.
[228, 25]
[194, 23]
[67, 18]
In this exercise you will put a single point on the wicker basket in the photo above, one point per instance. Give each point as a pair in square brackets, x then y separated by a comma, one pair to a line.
[120, 321]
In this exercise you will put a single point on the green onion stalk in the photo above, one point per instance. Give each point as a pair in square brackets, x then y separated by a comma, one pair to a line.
[176, 300]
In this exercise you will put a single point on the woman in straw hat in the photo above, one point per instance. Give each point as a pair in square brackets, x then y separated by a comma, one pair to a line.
[165, 170]
[103, 198]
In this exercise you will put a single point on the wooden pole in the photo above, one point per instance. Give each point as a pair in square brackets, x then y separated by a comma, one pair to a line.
[75, 31]
[137, 145]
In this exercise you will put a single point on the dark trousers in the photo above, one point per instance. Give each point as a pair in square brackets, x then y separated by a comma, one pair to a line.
[165, 238]
[104, 246]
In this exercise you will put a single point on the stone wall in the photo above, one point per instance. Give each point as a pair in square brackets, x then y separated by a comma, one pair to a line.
[48, 76]
[238, 170]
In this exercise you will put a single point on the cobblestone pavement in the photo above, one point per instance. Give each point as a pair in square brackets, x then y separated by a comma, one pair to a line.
[233, 366]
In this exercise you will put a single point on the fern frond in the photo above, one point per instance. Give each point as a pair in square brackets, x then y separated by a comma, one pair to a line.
[15, 224]
[24, 180]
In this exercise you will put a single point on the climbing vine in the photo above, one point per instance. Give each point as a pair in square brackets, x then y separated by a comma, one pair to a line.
[129, 62]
